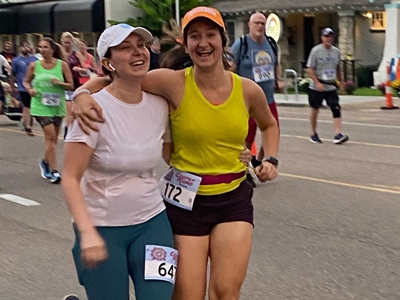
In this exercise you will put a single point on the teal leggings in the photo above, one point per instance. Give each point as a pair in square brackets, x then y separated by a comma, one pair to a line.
[126, 257]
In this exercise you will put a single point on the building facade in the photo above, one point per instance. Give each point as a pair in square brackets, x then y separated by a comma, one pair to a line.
[32, 19]
[360, 26]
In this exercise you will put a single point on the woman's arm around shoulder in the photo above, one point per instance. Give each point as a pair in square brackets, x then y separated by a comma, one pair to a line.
[169, 84]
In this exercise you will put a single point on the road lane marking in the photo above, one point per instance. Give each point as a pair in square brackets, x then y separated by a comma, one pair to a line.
[19, 200]
[347, 123]
[349, 142]
[358, 186]
[37, 133]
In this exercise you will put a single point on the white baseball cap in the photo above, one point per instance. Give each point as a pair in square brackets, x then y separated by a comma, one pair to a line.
[116, 34]
[327, 31]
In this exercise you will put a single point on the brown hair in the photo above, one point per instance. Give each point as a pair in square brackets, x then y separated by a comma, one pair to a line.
[58, 53]
[177, 58]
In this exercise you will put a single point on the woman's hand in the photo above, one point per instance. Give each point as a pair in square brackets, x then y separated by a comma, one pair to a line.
[266, 171]
[245, 156]
[56, 81]
[93, 249]
[32, 92]
[81, 71]
[86, 110]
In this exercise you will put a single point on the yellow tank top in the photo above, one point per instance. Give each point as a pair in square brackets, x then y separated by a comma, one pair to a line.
[208, 139]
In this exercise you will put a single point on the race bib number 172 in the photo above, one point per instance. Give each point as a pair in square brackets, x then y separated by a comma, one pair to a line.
[179, 188]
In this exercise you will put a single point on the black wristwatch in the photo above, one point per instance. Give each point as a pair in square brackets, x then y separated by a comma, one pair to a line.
[271, 160]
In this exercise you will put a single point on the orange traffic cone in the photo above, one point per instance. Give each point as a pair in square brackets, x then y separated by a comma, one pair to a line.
[254, 149]
[388, 91]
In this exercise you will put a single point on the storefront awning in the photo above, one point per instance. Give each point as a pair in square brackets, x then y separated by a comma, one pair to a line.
[7, 21]
[79, 15]
[36, 18]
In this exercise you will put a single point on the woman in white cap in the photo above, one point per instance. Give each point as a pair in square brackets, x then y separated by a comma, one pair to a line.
[119, 219]
[208, 201]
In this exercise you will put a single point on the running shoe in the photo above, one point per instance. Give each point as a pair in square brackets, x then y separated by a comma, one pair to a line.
[340, 138]
[44, 169]
[71, 297]
[315, 139]
[55, 177]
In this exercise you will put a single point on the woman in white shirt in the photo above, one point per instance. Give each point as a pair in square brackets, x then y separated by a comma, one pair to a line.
[109, 182]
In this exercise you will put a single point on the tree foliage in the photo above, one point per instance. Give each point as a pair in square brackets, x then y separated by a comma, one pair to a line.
[158, 12]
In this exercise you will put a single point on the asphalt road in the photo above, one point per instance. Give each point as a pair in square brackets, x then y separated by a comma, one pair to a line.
[327, 228]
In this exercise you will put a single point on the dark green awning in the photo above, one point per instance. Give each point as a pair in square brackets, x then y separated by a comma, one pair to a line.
[79, 15]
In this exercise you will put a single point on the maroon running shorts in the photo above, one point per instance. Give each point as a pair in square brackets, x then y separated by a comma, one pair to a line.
[209, 211]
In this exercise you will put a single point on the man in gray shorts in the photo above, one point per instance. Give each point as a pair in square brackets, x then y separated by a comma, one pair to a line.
[324, 68]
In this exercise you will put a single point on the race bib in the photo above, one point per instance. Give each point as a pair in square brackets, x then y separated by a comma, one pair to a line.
[179, 188]
[68, 95]
[329, 75]
[160, 263]
[263, 73]
[51, 99]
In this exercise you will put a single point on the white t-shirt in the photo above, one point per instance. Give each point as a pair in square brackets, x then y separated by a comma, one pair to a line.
[119, 185]
[3, 63]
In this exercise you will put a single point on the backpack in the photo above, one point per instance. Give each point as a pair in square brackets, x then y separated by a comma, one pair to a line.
[244, 46]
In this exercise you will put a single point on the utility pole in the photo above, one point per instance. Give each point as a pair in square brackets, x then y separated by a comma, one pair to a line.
[177, 16]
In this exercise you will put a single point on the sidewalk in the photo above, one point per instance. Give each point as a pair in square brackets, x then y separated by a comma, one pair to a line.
[290, 100]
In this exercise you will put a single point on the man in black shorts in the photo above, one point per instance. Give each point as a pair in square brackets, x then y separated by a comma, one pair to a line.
[324, 68]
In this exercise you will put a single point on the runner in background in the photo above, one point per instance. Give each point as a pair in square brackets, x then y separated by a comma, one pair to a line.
[19, 66]
[256, 59]
[77, 66]
[51, 76]
[324, 68]
[89, 61]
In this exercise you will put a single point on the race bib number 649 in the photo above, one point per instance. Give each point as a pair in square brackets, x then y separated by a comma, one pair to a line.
[160, 263]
